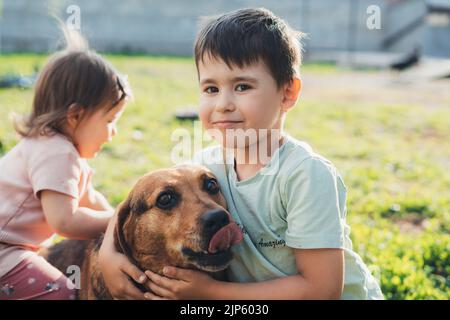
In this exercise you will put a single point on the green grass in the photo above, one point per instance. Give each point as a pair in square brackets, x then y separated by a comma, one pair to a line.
[395, 161]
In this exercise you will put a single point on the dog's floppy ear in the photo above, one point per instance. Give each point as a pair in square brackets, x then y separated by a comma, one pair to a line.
[123, 218]
[125, 210]
[123, 214]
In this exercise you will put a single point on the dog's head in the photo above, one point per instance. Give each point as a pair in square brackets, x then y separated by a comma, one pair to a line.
[177, 217]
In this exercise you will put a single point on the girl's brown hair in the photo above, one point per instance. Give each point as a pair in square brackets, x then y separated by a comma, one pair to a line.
[72, 80]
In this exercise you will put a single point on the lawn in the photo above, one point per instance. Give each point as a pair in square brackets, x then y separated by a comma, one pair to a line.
[391, 144]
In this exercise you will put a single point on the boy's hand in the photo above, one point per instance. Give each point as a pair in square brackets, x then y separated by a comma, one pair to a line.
[180, 284]
[116, 269]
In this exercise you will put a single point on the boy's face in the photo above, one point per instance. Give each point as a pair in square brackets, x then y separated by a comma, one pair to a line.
[238, 98]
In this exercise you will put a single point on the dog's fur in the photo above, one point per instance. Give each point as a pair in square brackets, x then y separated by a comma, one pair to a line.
[153, 236]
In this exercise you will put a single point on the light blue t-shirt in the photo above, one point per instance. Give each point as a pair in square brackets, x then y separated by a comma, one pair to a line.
[296, 201]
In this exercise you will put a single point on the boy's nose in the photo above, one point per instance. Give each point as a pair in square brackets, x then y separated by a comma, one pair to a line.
[225, 103]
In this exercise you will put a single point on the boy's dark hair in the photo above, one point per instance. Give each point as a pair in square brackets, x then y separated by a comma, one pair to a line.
[245, 36]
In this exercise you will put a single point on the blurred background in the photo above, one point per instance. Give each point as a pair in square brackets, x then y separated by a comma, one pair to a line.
[375, 101]
[169, 27]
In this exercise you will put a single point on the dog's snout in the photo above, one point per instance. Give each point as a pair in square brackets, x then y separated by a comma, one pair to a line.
[214, 220]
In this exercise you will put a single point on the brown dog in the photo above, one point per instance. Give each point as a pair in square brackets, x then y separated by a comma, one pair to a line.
[173, 216]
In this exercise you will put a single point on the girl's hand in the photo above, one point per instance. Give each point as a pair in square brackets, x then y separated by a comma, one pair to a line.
[180, 284]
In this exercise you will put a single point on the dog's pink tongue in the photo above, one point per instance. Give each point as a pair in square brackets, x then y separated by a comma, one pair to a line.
[229, 235]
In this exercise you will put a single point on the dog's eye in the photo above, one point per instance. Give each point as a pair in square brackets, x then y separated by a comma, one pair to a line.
[166, 200]
[211, 186]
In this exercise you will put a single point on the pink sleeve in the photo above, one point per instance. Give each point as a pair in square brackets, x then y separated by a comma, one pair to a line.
[59, 172]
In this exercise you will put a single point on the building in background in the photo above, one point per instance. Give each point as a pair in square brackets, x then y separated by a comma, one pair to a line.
[169, 27]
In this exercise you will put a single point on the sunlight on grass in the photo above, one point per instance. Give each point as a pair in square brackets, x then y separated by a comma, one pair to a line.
[394, 160]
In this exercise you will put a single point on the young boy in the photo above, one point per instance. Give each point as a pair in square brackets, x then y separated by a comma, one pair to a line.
[291, 204]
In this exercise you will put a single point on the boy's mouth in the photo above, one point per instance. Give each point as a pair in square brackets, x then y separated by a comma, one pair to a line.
[226, 123]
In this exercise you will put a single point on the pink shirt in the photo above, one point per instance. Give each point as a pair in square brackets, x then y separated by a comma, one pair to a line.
[33, 165]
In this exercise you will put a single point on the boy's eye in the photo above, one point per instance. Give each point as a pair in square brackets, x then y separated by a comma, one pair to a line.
[211, 90]
[242, 87]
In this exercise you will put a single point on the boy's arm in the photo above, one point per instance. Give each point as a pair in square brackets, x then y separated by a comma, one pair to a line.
[321, 276]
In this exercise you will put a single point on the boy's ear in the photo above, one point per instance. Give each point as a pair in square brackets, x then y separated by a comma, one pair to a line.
[291, 93]
[74, 115]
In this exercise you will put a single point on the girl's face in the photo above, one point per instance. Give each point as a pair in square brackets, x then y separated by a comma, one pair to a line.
[96, 129]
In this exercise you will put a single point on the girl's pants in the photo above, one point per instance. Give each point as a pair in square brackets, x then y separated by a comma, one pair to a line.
[36, 279]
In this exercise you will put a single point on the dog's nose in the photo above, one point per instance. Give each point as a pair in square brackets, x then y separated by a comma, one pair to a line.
[213, 221]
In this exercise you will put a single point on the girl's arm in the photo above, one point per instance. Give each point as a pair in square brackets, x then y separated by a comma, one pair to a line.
[95, 200]
[69, 220]
[64, 216]
[321, 276]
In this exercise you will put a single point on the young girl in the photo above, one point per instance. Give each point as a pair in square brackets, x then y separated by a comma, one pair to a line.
[45, 181]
